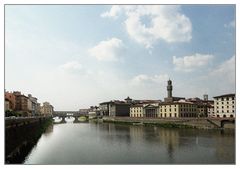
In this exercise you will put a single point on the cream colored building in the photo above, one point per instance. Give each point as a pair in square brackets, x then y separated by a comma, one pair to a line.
[144, 110]
[46, 109]
[177, 109]
[210, 111]
[224, 105]
[136, 110]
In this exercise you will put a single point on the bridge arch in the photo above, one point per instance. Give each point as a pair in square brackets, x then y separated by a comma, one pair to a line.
[223, 122]
[74, 114]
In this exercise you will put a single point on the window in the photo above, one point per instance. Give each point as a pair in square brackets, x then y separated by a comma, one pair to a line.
[165, 114]
[222, 107]
[227, 98]
[217, 103]
[175, 114]
[227, 111]
[175, 109]
[170, 110]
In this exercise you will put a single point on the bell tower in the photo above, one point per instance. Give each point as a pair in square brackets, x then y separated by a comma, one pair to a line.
[169, 88]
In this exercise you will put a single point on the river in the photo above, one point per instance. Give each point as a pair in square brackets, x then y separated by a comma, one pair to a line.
[108, 143]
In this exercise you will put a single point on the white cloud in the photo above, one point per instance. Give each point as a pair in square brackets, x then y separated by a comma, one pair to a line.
[231, 24]
[190, 63]
[109, 50]
[113, 13]
[145, 86]
[166, 23]
[226, 70]
[144, 79]
[72, 66]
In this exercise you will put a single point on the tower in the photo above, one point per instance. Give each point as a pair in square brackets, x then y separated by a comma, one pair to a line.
[169, 88]
[205, 97]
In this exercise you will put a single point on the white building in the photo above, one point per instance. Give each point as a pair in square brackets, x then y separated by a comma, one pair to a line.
[224, 105]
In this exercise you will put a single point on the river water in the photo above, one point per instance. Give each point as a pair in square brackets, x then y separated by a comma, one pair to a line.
[107, 143]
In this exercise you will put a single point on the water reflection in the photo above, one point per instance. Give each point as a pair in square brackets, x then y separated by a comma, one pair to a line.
[49, 130]
[108, 143]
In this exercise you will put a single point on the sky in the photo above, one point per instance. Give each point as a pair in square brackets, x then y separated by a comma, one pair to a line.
[77, 56]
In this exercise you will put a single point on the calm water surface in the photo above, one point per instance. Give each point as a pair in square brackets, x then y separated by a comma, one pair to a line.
[105, 143]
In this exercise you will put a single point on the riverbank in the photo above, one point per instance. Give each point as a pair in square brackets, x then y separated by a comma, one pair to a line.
[194, 123]
[21, 135]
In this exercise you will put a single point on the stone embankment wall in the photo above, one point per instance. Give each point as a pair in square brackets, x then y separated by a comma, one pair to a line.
[199, 123]
[21, 134]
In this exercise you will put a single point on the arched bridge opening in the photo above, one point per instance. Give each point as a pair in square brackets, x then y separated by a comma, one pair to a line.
[67, 114]
[227, 121]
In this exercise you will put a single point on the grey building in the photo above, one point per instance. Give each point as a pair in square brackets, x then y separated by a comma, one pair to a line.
[115, 108]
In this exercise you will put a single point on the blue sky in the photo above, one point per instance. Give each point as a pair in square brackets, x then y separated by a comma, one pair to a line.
[75, 56]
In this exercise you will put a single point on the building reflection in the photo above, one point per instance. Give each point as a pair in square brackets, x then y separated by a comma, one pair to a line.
[226, 138]
[49, 130]
[171, 139]
[116, 133]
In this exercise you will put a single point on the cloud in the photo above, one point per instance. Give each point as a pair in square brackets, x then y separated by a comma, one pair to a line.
[144, 79]
[113, 13]
[226, 70]
[108, 50]
[166, 22]
[72, 67]
[231, 24]
[191, 63]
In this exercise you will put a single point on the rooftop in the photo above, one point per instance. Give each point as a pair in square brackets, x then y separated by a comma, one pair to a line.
[225, 95]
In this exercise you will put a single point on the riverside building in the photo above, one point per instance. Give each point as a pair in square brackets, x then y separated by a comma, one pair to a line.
[115, 108]
[46, 109]
[147, 109]
[177, 109]
[224, 106]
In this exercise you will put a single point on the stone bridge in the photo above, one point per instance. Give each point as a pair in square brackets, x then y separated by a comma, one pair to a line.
[75, 114]
[220, 122]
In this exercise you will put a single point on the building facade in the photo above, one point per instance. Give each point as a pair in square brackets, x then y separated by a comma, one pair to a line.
[6, 105]
[10, 98]
[32, 105]
[177, 109]
[46, 109]
[136, 110]
[204, 107]
[21, 103]
[224, 106]
[115, 108]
